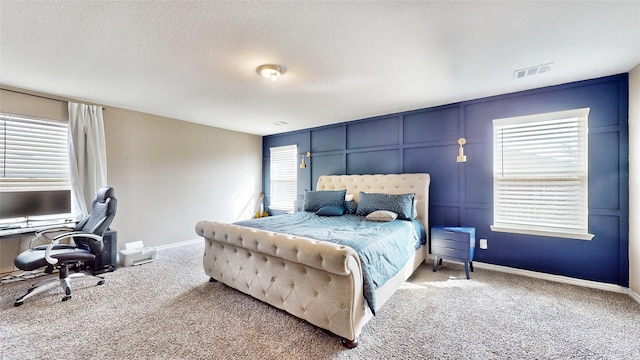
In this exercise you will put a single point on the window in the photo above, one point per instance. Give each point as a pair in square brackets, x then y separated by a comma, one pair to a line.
[284, 177]
[34, 171]
[540, 177]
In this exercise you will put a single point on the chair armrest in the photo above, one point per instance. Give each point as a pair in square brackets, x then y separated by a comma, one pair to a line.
[53, 229]
[43, 235]
[72, 234]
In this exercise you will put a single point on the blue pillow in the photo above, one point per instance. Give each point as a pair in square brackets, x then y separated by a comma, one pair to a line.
[350, 206]
[401, 204]
[331, 210]
[314, 200]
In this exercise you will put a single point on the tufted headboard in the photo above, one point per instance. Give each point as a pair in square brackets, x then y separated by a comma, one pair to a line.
[388, 184]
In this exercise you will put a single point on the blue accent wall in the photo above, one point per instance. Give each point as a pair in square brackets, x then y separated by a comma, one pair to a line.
[461, 194]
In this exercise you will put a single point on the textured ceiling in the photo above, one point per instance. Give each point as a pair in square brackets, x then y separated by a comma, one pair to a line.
[196, 61]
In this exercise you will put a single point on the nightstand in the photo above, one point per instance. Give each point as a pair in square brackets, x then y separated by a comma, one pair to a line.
[453, 243]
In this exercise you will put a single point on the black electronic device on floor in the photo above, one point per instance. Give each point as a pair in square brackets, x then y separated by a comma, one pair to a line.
[108, 259]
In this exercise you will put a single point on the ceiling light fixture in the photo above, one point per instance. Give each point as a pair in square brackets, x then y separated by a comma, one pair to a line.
[272, 72]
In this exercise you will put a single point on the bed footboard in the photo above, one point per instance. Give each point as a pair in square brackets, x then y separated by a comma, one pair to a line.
[319, 282]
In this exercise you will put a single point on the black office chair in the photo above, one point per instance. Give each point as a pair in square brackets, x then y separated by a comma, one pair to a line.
[87, 236]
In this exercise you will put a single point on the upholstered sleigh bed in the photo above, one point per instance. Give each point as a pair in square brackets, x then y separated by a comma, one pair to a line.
[320, 282]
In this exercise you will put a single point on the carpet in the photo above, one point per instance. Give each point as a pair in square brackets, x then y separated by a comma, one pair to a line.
[167, 309]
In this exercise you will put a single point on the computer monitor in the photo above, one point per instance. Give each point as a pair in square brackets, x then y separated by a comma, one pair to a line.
[16, 204]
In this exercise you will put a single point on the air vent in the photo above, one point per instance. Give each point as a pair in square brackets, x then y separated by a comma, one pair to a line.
[539, 69]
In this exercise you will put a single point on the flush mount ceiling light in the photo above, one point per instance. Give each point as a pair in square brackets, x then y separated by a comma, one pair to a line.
[270, 71]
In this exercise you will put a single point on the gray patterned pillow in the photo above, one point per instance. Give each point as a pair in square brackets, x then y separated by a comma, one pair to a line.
[351, 206]
[315, 200]
[401, 204]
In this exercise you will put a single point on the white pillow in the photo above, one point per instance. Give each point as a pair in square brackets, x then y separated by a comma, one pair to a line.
[348, 197]
[382, 215]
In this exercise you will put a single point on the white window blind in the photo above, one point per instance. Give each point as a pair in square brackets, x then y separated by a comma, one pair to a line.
[540, 181]
[34, 172]
[33, 154]
[284, 177]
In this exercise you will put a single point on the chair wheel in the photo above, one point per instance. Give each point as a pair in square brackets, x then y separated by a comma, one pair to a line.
[17, 303]
[66, 298]
[67, 290]
[100, 282]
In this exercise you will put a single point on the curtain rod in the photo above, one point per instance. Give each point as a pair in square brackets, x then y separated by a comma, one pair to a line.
[39, 96]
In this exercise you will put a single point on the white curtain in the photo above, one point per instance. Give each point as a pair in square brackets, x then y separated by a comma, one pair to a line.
[87, 156]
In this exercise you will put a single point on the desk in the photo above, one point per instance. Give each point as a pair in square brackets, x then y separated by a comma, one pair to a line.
[25, 231]
[17, 239]
[107, 261]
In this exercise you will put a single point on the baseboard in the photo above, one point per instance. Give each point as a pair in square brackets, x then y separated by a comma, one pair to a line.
[505, 269]
[556, 278]
[180, 243]
[634, 296]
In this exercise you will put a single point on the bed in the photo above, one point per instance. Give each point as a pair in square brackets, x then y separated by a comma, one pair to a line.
[321, 282]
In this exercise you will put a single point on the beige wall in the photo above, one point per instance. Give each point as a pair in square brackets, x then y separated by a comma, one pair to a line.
[170, 174]
[18, 103]
[634, 181]
[167, 174]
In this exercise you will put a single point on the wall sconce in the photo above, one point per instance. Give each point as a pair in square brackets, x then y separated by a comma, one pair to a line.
[461, 156]
[302, 164]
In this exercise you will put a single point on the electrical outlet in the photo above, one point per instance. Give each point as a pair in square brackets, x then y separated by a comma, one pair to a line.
[483, 243]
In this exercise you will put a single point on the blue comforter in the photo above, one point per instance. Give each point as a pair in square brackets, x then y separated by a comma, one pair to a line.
[383, 247]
